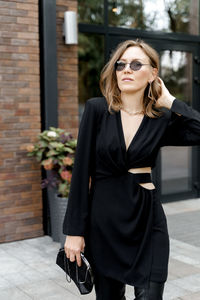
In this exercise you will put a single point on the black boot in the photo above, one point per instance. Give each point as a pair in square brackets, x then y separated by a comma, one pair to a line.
[153, 292]
[108, 288]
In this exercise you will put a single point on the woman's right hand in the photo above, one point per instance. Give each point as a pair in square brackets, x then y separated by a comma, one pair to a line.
[74, 245]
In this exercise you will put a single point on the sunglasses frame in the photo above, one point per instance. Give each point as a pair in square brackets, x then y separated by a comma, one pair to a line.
[132, 62]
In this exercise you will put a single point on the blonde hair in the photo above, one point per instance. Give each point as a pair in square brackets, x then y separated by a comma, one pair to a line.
[108, 79]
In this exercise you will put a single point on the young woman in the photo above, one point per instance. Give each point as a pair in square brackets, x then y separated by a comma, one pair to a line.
[117, 218]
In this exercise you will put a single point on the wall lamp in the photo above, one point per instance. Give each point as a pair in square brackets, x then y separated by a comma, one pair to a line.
[70, 28]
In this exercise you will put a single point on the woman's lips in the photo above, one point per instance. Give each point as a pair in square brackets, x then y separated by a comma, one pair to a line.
[127, 79]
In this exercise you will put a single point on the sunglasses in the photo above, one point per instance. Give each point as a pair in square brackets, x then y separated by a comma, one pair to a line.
[134, 65]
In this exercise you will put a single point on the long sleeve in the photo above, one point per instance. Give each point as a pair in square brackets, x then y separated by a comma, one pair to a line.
[183, 128]
[75, 221]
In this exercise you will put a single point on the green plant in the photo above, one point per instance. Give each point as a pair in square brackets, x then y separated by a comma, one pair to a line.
[55, 150]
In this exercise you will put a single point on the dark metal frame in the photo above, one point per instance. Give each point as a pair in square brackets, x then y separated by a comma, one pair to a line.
[48, 82]
[161, 41]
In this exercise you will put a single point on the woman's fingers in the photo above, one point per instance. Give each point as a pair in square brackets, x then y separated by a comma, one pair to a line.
[78, 259]
[165, 99]
[73, 247]
[75, 256]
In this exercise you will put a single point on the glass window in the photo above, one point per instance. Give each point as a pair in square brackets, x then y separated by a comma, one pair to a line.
[176, 162]
[165, 15]
[91, 11]
[91, 62]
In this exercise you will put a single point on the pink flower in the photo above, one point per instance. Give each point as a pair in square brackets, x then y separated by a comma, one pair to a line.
[48, 164]
[67, 161]
[66, 175]
[30, 148]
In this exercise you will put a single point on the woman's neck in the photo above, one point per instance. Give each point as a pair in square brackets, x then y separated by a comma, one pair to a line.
[133, 102]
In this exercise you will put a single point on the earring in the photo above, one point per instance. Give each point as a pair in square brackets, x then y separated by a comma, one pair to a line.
[150, 94]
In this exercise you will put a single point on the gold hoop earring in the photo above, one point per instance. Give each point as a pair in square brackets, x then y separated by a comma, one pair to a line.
[150, 94]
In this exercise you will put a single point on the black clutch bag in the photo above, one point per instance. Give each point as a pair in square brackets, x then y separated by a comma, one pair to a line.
[82, 276]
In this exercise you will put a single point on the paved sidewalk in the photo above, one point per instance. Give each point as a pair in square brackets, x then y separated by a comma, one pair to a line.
[28, 269]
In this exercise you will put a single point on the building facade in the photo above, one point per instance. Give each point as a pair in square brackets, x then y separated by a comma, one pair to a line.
[44, 82]
[23, 109]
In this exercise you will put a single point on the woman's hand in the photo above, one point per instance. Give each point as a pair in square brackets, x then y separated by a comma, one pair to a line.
[74, 245]
[166, 99]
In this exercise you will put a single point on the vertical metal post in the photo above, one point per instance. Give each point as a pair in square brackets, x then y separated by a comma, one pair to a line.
[106, 36]
[48, 63]
[48, 83]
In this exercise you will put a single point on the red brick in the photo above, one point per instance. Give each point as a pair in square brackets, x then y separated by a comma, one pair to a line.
[33, 28]
[22, 20]
[12, 12]
[7, 19]
[14, 27]
[28, 35]
[9, 4]
[19, 42]
[29, 6]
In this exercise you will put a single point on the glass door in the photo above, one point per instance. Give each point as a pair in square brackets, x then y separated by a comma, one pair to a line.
[176, 162]
[178, 165]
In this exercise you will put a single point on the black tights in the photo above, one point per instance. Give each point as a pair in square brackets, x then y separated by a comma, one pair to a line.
[111, 289]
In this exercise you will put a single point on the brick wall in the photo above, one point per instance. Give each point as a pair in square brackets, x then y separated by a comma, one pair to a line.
[20, 193]
[67, 73]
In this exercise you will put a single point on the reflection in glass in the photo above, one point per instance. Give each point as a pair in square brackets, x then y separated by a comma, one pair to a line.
[176, 170]
[91, 61]
[165, 15]
[91, 11]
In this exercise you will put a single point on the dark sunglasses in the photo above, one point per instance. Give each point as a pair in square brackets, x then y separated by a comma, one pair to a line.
[134, 65]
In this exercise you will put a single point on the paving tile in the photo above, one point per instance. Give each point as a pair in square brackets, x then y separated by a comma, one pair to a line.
[190, 283]
[47, 289]
[13, 294]
[46, 270]
[71, 287]
[193, 296]
[172, 291]
[28, 276]
[185, 227]
[16, 279]
[179, 269]
[177, 207]
[11, 265]
[4, 284]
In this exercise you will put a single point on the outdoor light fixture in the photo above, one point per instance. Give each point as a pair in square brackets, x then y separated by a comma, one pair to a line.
[70, 28]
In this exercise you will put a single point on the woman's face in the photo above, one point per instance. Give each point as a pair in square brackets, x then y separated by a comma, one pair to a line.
[130, 81]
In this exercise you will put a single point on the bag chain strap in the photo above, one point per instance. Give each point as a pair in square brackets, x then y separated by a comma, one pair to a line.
[69, 276]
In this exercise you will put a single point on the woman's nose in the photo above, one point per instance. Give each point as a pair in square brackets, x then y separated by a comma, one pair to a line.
[127, 68]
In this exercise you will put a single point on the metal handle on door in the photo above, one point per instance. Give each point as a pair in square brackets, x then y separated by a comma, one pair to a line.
[197, 59]
[197, 80]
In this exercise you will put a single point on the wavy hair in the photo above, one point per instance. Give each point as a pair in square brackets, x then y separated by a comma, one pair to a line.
[108, 79]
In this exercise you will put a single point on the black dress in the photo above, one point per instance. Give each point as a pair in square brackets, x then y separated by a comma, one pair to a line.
[123, 223]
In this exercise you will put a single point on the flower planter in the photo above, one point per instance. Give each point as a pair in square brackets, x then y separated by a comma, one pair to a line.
[55, 150]
[62, 206]
[54, 214]
[57, 206]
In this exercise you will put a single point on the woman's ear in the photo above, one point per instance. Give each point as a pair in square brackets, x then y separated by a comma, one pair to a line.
[154, 74]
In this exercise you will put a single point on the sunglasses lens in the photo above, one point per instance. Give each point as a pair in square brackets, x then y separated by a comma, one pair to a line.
[135, 65]
[119, 66]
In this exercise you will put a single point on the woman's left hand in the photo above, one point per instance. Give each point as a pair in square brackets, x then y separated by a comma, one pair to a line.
[166, 99]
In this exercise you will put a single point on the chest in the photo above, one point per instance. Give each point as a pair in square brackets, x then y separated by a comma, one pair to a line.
[130, 125]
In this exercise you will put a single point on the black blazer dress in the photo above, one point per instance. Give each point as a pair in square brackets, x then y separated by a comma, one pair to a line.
[123, 223]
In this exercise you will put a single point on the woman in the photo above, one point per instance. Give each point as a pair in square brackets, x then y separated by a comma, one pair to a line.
[117, 220]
